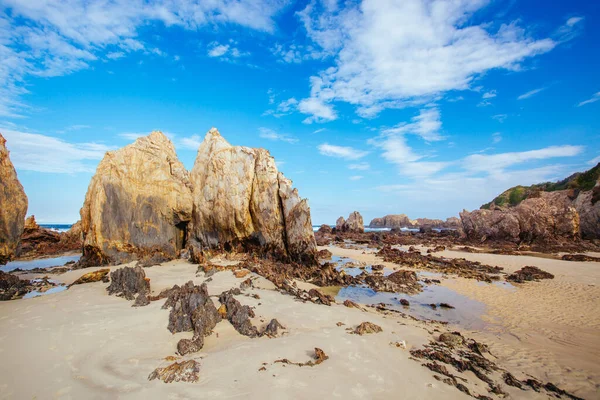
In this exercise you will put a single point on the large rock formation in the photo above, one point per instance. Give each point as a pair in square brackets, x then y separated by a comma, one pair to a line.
[354, 223]
[551, 216]
[240, 200]
[13, 206]
[138, 204]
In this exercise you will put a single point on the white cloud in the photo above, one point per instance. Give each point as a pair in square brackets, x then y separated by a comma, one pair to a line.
[363, 166]
[115, 55]
[594, 161]
[489, 95]
[530, 93]
[225, 51]
[283, 108]
[497, 137]
[218, 50]
[593, 99]
[41, 153]
[57, 37]
[344, 152]
[132, 135]
[427, 125]
[500, 117]
[270, 134]
[430, 47]
[191, 142]
[497, 163]
[356, 177]
[317, 109]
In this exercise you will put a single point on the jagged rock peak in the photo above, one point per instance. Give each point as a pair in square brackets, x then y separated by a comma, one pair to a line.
[242, 202]
[13, 206]
[137, 205]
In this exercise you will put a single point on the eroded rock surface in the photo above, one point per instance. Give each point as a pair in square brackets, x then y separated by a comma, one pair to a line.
[137, 205]
[39, 242]
[241, 201]
[184, 371]
[128, 282]
[191, 310]
[354, 223]
[13, 206]
[529, 274]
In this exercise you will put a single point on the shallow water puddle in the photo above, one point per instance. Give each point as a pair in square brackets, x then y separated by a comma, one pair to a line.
[466, 312]
[35, 293]
[40, 263]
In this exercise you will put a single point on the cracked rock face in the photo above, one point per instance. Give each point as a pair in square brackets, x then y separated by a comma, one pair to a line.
[137, 205]
[242, 202]
[550, 216]
[13, 206]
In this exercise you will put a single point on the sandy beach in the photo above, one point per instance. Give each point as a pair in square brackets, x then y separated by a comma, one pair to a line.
[84, 343]
[548, 329]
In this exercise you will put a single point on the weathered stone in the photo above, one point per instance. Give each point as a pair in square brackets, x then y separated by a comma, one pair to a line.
[185, 371]
[239, 315]
[128, 282]
[529, 274]
[40, 242]
[354, 223]
[367, 327]
[138, 204]
[11, 287]
[325, 254]
[451, 339]
[13, 206]
[241, 201]
[272, 329]
[95, 276]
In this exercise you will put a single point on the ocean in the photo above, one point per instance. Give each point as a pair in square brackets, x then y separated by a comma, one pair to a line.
[367, 229]
[57, 227]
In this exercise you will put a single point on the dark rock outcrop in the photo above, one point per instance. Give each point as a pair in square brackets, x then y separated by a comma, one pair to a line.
[40, 242]
[238, 315]
[402, 221]
[11, 287]
[191, 310]
[128, 282]
[13, 206]
[529, 274]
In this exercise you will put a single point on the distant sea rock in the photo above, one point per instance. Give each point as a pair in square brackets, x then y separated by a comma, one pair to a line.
[354, 223]
[402, 221]
[241, 200]
[13, 206]
[37, 241]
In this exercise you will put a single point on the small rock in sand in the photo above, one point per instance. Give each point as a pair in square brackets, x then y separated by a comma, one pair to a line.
[241, 273]
[185, 371]
[95, 276]
[452, 339]
[529, 274]
[367, 327]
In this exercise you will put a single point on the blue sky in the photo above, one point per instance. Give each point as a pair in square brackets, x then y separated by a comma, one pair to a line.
[417, 106]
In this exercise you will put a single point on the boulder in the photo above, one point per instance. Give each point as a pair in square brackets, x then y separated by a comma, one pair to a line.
[138, 204]
[241, 201]
[340, 223]
[587, 205]
[13, 206]
[128, 281]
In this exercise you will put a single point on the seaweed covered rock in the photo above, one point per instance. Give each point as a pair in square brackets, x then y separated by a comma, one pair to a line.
[13, 206]
[95, 276]
[138, 204]
[191, 310]
[37, 241]
[128, 282]
[239, 315]
[11, 287]
[184, 371]
[241, 201]
[529, 274]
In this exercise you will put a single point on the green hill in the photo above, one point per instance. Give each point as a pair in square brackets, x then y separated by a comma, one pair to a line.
[579, 181]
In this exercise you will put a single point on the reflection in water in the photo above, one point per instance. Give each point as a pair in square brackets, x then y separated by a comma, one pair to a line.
[40, 263]
[35, 293]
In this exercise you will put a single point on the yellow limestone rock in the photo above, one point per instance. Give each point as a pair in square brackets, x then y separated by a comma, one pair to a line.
[242, 201]
[13, 206]
[138, 204]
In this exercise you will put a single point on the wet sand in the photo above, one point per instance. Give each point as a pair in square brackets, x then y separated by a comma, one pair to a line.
[549, 329]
